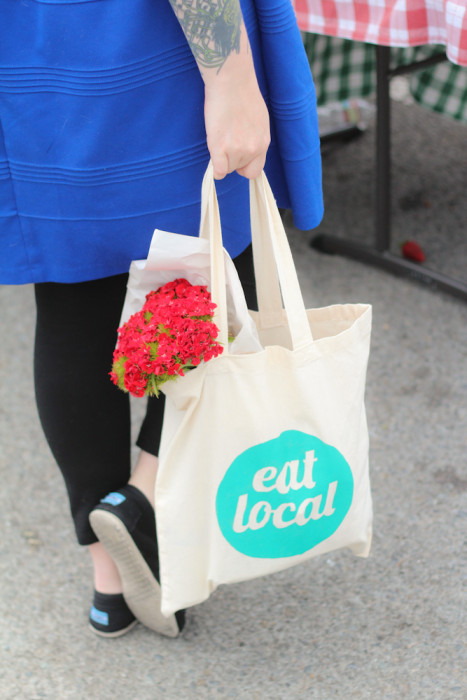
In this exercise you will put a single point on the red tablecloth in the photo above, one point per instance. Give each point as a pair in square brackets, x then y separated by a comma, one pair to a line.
[390, 22]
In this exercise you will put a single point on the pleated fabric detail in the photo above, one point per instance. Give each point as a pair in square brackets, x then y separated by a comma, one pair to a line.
[102, 133]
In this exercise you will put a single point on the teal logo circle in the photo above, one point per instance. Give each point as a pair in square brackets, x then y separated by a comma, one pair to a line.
[284, 496]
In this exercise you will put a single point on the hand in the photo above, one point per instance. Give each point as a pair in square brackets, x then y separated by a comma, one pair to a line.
[237, 120]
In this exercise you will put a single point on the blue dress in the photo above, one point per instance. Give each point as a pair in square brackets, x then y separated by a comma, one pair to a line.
[102, 135]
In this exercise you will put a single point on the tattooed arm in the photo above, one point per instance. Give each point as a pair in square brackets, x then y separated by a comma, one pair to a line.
[236, 117]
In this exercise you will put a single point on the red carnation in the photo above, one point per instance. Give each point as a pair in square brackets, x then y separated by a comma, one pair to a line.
[173, 332]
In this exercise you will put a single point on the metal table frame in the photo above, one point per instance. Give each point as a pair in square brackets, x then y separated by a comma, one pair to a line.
[378, 254]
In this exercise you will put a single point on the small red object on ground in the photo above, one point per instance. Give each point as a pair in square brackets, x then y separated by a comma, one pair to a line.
[413, 251]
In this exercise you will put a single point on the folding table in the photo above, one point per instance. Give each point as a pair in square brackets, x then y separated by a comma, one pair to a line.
[387, 23]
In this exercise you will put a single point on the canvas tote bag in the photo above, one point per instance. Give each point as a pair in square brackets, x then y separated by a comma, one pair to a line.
[264, 455]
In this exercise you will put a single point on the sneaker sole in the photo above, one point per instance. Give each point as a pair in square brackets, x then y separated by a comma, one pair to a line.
[113, 635]
[141, 590]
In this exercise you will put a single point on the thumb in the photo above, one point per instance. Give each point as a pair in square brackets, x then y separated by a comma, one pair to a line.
[220, 164]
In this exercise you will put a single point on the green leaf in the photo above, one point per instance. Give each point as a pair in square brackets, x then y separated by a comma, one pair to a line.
[119, 369]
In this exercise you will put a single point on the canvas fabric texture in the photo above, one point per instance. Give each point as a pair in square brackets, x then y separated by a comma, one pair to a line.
[264, 454]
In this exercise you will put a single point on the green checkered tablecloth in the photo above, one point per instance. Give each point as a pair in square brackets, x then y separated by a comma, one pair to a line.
[343, 69]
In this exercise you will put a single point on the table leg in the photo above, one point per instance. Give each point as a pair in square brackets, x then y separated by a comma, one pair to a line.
[383, 150]
[378, 254]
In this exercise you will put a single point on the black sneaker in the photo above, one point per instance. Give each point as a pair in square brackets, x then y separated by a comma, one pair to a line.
[124, 522]
[110, 616]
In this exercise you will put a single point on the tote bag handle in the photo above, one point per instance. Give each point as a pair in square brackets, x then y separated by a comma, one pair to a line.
[274, 266]
[273, 261]
[210, 228]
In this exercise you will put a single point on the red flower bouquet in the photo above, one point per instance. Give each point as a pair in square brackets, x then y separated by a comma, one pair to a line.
[173, 332]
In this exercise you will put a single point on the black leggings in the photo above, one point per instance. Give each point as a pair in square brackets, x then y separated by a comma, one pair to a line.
[85, 418]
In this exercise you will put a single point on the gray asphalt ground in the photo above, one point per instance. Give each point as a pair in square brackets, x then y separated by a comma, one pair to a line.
[392, 626]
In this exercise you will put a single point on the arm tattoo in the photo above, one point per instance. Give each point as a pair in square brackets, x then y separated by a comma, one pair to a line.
[212, 28]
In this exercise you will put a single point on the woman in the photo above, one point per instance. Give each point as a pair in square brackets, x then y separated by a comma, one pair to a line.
[109, 112]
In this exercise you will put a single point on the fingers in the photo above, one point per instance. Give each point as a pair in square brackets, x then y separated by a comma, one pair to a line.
[220, 164]
[247, 165]
[254, 168]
